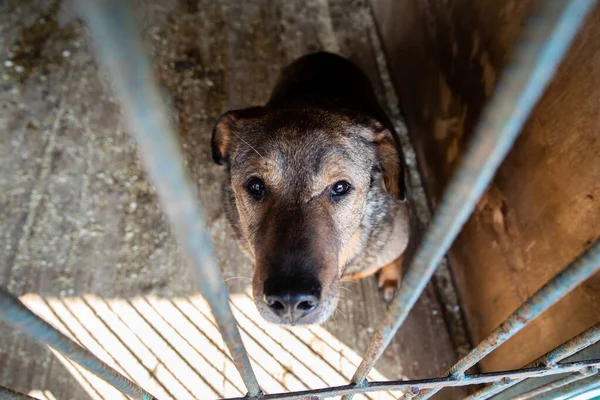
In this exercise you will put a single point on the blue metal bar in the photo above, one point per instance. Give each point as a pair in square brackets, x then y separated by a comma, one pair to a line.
[414, 385]
[16, 314]
[567, 349]
[543, 45]
[574, 274]
[558, 383]
[120, 50]
[9, 394]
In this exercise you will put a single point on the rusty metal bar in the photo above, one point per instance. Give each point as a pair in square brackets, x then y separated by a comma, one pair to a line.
[574, 274]
[9, 394]
[17, 315]
[119, 48]
[567, 349]
[546, 37]
[415, 385]
[558, 383]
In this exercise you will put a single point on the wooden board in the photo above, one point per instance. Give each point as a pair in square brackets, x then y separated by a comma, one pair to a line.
[79, 219]
[543, 208]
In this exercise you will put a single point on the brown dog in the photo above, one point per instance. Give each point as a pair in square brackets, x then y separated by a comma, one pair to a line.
[315, 190]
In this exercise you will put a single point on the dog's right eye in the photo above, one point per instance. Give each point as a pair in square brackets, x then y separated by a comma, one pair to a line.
[340, 188]
[256, 188]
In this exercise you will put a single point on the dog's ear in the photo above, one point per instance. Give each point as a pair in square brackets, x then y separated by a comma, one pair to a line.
[390, 160]
[227, 130]
[222, 133]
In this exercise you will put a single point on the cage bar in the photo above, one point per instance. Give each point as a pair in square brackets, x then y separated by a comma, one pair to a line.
[414, 385]
[120, 49]
[584, 266]
[558, 383]
[546, 37]
[17, 315]
[567, 349]
[576, 388]
[427, 383]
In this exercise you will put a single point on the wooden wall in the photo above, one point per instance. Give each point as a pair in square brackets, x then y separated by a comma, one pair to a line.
[543, 207]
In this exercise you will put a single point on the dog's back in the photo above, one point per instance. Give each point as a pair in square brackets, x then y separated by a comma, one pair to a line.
[326, 81]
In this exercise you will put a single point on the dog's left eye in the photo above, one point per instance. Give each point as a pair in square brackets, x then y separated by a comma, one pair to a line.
[340, 188]
[256, 188]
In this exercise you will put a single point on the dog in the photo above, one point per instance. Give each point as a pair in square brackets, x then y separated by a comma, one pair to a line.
[315, 189]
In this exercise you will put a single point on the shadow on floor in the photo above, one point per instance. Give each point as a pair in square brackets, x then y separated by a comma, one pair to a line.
[173, 349]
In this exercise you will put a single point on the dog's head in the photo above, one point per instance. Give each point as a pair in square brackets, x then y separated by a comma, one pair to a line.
[300, 185]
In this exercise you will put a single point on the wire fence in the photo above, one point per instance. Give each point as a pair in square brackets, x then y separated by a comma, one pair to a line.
[546, 36]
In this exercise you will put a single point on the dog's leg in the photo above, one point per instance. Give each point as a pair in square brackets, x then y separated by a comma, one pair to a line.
[389, 277]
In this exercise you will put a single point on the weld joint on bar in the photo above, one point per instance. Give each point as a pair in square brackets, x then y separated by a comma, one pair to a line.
[364, 384]
[457, 375]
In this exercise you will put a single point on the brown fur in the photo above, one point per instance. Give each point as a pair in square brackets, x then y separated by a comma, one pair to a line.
[321, 126]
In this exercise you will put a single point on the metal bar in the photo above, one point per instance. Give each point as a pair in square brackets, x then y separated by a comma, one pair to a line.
[542, 46]
[575, 273]
[419, 384]
[16, 314]
[573, 346]
[9, 394]
[557, 383]
[567, 349]
[571, 391]
[120, 50]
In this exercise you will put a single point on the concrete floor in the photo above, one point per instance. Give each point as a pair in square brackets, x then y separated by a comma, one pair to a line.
[84, 241]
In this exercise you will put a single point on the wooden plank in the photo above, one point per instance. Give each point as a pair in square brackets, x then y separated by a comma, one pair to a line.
[542, 209]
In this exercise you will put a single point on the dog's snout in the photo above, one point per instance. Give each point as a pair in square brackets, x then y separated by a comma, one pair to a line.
[292, 305]
[291, 300]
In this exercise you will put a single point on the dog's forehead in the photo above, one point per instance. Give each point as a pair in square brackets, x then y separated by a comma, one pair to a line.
[311, 152]
[305, 146]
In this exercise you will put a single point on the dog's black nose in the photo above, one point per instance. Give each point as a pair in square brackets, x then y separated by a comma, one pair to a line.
[292, 296]
[292, 305]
